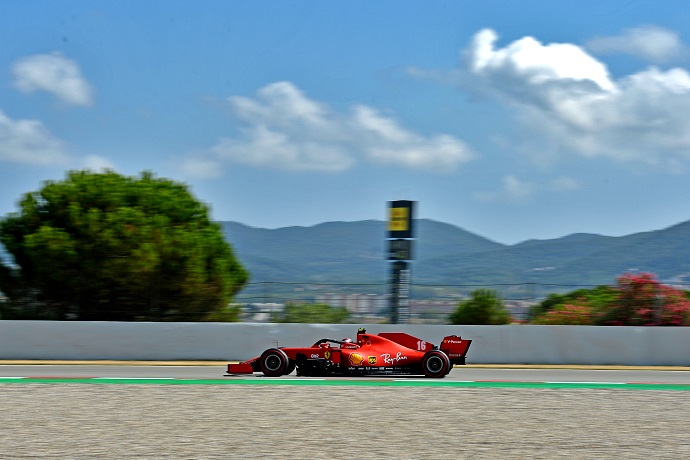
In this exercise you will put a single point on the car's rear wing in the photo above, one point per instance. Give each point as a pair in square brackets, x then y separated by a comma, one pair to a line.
[456, 348]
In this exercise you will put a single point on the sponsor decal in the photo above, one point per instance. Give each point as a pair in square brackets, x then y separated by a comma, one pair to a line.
[388, 359]
[327, 355]
[356, 359]
[314, 356]
[372, 360]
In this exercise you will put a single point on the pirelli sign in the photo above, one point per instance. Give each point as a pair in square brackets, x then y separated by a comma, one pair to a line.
[400, 219]
[400, 237]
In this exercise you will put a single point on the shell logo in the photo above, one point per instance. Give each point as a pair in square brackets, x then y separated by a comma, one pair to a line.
[356, 359]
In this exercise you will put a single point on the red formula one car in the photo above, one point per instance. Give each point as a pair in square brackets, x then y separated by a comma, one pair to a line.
[394, 353]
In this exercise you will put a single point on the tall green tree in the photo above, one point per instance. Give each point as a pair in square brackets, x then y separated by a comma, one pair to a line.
[484, 307]
[102, 246]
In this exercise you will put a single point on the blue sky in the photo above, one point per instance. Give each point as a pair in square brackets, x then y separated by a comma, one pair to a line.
[513, 120]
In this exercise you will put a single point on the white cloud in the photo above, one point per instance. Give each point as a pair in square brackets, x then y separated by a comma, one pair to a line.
[29, 142]
[529, 62]
[651, 43]
[282, 128]
[284, 105]
[386, 142]
[644, 120]
[568, 104]
[518, 189]
[264, 146]
[55, 74]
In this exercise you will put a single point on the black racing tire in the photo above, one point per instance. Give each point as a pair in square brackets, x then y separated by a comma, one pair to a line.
[290, 367]
[435, 364]
[274, 362]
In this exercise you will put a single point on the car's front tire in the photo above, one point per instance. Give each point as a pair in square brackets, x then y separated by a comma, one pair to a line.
[274, 362]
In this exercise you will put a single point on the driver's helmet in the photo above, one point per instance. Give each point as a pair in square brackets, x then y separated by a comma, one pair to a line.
[348, 343]
[347, 340]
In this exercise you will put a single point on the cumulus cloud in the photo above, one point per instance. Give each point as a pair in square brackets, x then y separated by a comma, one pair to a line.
[384, 141]
[518, 189]
[652, 43]
[283, 128]
[55, 74]
[29, 142]
[532, 63]
[569, 104]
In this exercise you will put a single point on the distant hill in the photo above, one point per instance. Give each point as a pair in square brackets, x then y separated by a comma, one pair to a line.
[349, 252]
[339, 252]
[353, 252]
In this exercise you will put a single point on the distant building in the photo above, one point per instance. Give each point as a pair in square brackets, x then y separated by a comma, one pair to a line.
[432, 308]
[261, 312]
[358, 304]
[518, 309]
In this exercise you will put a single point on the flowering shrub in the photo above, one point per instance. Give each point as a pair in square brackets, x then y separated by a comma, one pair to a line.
[637, 300]
[643, 301]
[568, 314]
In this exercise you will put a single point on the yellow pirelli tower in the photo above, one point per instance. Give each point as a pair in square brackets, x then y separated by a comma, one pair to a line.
[400, 236]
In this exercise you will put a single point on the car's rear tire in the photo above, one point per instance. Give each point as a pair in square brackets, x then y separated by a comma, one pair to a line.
[290, 367]
[274, 362]
[435, 364]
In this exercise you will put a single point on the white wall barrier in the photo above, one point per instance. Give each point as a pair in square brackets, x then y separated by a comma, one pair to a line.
[512, 344]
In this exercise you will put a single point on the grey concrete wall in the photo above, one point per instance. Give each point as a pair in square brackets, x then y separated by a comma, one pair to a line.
[513, 344]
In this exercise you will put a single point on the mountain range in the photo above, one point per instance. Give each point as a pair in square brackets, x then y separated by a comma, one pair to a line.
[354, 252]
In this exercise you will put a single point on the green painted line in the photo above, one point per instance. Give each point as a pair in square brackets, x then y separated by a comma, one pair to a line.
[356, 382]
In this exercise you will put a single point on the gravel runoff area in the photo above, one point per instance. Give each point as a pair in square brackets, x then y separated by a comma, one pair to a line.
[87, 421]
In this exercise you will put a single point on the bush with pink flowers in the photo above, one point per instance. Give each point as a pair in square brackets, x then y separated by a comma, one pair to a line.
[568, 314]
[644, 301]
[638, 299]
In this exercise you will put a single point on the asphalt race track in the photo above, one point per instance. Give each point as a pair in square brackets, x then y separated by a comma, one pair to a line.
[95, 411]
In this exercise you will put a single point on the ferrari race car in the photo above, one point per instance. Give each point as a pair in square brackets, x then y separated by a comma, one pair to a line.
[392, 353]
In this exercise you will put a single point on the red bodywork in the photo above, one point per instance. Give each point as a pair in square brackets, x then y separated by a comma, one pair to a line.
[385, 353]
